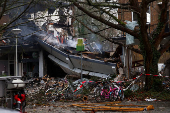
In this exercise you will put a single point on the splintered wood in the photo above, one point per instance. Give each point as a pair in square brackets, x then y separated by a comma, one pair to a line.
[113, 106]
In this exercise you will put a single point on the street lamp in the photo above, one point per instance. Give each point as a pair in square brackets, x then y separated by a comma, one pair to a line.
[16, 32]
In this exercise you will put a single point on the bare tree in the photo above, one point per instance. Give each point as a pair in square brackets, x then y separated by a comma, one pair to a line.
[14, 9]
[149, 40]
[88, 27]
[106, 20]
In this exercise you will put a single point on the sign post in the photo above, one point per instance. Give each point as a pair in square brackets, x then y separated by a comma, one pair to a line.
[80, 47]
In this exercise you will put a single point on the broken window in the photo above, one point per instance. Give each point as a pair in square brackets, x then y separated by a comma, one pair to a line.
[134, 16]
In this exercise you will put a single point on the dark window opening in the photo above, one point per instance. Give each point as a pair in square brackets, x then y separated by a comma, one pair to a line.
[12, 69]
[135, 18]
[167, 25]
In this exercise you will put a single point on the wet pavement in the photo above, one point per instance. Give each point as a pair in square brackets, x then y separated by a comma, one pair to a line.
[64, 107]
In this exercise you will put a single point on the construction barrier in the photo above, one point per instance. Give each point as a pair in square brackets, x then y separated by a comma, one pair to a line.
[157, 75]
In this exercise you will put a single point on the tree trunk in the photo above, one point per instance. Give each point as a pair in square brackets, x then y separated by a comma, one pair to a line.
[151, 67]
[149, 78]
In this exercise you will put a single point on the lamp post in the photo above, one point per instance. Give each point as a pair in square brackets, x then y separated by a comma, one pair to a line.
[16, 32]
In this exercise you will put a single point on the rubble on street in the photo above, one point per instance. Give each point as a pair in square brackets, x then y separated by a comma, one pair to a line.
[37, 101]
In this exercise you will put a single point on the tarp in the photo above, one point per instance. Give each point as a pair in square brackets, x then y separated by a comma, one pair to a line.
[131, 26]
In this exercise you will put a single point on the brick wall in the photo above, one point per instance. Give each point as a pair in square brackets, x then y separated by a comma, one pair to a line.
[124, 14]
[4, 19]
[154, 13]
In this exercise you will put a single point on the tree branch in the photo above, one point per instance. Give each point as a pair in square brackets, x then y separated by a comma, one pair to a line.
[112, 5]
[109, 39]
[165, 35]
[161, 24]
[3, 28]
[135, 5]
[114, 17]
[164, 47]
[3, 10]
[119, 27]
[10, 8]
[149, 1]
